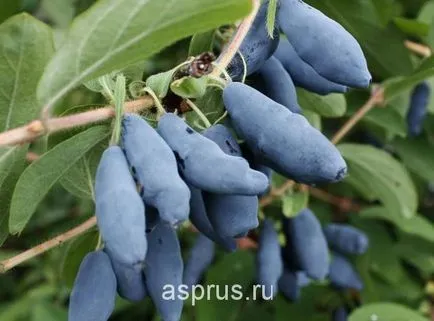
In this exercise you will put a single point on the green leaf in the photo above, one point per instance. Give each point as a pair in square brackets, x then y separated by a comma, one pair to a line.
[385, 311]
[75, 253]
[412, 27]
[189, 87]
[426, 13]
[211, 105]
[8, 156]
[389, 119]
[233, 269]
[160, 83]
[26, 45]
[418, 155]
[114, 34]
[423, 258]
[15, 168]
[430, 37]
[293, 202]
[417, 225]
[9, 8]
[201, 42]
[382, 258]
[60, 12]
[48, 312]
[42, 174]
[307, 306]
[378, 176]
[383, 45]
[79, 180]
[333, 105]
[313, 118]
[395, 86]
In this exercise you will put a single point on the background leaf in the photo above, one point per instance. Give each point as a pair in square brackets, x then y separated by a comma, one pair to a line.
[201, 42]
[26, 45]
[75, 253]
[378, 176]
[385, 311]
[41, 175]
[189, 87]
[417, 225]
[418, 155]
[332, 105]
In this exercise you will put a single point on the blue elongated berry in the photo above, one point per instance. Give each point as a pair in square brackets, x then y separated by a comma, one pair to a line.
[221, 135]
[204, 165]
[282, 140]
[155, 168]
[230, 215]
[130, 281]
[288, 285]
[163, 271]
[94, 292]
[340, 314]
[200, 258]
[274, 82]
[307, 244]
[200, 220]
[302, 279]
[324, 44]
[343, 275]
[291, 282]
[269, 262]
[418, 108]
[256, 165]
[119, 209]
[302, 73]
[346, 239]
[256, 48]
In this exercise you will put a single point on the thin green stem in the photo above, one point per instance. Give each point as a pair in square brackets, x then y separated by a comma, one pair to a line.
[199, 113]
[99, 243]
[244, 67]
[150, 92]
[222, 117]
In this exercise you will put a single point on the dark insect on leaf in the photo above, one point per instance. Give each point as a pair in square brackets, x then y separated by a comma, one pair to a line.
[202, 65]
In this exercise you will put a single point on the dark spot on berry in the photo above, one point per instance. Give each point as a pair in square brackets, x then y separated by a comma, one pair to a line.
[180, 161]
[232, 149]
[160, 241]
[189, 130]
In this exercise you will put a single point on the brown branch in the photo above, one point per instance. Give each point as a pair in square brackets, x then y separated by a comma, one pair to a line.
[376, 98]
[276, 193]
[418, 48]
[344, 204]
[31, 157]
[231, 50]
[36, 128]
[8, 264]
